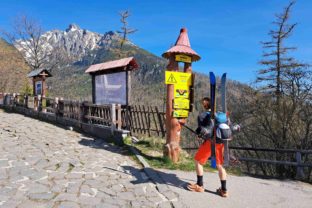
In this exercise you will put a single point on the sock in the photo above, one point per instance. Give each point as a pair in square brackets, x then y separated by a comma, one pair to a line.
[223, 185]
[200, 180]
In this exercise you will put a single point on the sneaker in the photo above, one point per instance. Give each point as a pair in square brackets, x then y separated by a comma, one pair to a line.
[222, 192]
[195, 188]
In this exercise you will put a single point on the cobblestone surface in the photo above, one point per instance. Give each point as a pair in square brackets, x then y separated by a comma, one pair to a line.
[42, 165]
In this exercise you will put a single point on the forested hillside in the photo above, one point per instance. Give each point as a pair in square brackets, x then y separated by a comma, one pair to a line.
[13, 69]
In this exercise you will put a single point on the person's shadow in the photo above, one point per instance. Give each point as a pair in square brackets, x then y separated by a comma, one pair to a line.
[156, 176]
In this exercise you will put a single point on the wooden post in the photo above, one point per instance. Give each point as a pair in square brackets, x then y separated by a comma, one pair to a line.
[26, 101]
[180, 52]
[119, 121]
[300, 173]
[1, 99]
[172, 147]
[56, 103]
[113, 117]
[14, 99]
[128, 87]
[5, 99]
[163, 133]
[61, 107]
[43, 104]
[17, 99]
[93, 89]
[39, 103]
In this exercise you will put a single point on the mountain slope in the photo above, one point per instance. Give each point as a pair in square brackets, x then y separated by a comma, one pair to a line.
[13, 69]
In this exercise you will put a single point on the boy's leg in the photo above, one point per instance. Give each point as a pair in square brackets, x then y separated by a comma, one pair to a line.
[201, 157]
[222, 173]
[200, 173]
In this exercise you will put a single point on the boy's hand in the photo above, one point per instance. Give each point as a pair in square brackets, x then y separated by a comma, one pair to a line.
[182, 121]
[236, 127]
[198, 131]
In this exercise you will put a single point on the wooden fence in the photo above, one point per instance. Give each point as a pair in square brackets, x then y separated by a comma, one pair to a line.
[137, 119]
[299, 159]
[143, 120]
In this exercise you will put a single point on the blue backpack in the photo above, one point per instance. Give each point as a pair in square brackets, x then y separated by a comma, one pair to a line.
[223, 130]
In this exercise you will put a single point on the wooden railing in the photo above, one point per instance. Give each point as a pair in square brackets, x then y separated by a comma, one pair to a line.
[137, 119]
[300, 159]
[98, 114]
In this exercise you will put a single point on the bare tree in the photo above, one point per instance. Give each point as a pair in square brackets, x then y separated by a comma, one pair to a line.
[278, 65]
[26, 37]
[125, 30]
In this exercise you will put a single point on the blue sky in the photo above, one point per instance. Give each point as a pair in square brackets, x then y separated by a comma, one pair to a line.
[225, 33]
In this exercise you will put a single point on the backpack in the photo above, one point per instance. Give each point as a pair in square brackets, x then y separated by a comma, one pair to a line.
[205, 126]
[223, 130]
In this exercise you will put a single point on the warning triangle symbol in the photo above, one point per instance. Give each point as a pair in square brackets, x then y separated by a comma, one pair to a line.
[171, 79]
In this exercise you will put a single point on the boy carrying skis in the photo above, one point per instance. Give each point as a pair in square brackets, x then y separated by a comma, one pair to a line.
[205, 131]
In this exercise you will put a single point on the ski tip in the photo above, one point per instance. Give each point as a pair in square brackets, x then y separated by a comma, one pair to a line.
[212, 78]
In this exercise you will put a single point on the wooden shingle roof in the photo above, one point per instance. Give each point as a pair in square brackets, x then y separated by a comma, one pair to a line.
[128, 63]
[39, 72]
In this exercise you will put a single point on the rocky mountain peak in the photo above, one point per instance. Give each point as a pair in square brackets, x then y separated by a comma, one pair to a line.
[73, 27]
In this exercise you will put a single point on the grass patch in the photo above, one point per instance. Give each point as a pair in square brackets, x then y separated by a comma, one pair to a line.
[151, 148]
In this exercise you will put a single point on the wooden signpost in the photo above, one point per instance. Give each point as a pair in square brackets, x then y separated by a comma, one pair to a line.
[179, 92]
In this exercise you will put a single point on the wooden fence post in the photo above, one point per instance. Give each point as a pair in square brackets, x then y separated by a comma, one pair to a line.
[113, 117]
[119, 121]
[26, 101]
[163, 133]
[300, 173]
[16, 99]
[39, 103]
[56, 101]
[13, 101]
[61, 107]
[43, 104]
[82, 112]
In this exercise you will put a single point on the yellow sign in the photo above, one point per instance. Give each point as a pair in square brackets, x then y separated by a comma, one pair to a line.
[178, 78]
[180, 103]
[180, 113]
[181, 93]
[171, 79]
[183, 58]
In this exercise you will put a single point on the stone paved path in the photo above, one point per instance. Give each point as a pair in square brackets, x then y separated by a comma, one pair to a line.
[42, 165]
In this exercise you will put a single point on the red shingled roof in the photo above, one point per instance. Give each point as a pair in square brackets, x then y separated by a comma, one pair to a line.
[183, 46]
[113, 64]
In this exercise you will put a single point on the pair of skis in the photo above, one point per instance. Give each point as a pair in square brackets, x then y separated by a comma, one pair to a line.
[213, 100]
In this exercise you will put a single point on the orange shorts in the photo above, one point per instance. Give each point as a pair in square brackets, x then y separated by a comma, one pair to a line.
[204, 152]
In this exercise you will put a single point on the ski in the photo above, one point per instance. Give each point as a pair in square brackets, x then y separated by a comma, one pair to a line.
[213, 111]
[224, 109]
